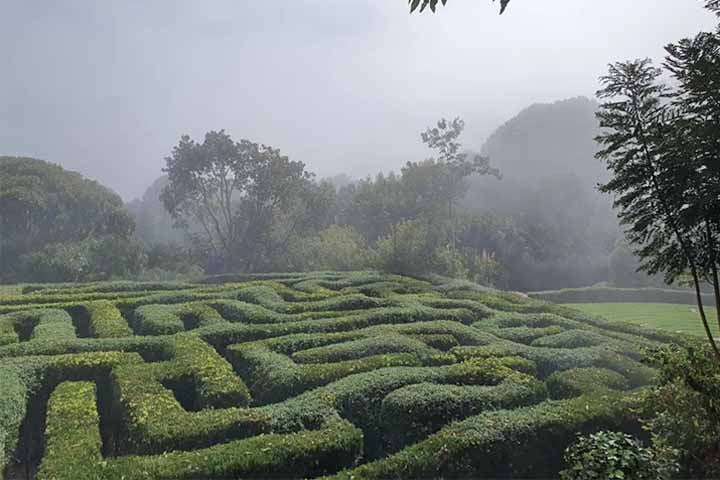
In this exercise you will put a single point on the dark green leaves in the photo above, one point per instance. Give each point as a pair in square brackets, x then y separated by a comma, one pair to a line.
[423, 4]
[617, 456]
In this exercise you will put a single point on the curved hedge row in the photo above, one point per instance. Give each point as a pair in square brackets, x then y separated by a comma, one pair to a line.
[359, 375]
[620, 295]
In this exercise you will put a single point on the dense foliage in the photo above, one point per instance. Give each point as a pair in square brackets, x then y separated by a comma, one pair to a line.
[248, 198]
[615, 456]
[683, 411]
[532, 229]
[57, 225]
[661, 145]
[353, 375]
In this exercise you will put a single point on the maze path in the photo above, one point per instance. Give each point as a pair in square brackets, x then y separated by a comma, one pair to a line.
[359, 375]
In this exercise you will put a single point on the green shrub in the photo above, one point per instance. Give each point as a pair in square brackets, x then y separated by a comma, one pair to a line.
[682, 412]
[157, 320]
[579, 381]
[274, 377]
[356, 349]
[105, 320]
[72, 433]
[526, 442]
[157, 421]
[411, 413]
[306, 374]
[573, 339]
[74, 449]
[616, 456]
[170, 319]
[40, 324]
[13, 408]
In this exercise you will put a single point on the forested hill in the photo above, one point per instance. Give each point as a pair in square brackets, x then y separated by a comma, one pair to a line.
[549, 191]
[546, 139]
[546, 144]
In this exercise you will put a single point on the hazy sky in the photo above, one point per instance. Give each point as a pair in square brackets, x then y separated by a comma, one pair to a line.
[107, 87]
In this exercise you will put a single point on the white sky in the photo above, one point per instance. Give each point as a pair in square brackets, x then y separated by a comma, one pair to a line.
[107, 88]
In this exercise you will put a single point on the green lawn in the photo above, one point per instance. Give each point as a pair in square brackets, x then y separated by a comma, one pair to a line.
[667, 316]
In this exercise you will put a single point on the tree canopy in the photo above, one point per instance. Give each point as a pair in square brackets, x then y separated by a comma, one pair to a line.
[247, 198]
[43, 204]
[662, 145]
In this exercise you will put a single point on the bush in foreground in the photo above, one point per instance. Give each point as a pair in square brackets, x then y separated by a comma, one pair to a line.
[616, 456]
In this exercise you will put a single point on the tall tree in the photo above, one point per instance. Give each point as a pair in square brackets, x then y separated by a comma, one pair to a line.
[662, 146]
[236, 192]
[446, 185]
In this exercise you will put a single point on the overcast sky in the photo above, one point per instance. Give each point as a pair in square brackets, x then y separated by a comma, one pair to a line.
[107, 87]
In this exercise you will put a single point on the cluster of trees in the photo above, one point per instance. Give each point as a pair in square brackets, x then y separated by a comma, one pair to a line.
[536, 227]
[247, 207]
[56, 225]
[224, 205]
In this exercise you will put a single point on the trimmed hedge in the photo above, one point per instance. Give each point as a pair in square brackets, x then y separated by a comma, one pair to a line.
[170, 319]
[274, 377]
[74, 449]
[72, 433]
[578, 381]
[105, 320]
[48, 324]
[304, 375]
[411, 413]
[521, 443]
[156, 419]
[13, 407]
[620, 295]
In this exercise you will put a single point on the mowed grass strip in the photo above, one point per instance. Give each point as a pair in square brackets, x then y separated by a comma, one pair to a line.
[667, 316]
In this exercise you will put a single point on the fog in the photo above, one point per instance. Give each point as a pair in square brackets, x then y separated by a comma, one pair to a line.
[107, 88]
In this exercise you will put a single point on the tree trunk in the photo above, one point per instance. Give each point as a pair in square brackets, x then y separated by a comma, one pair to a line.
[716, 291]
[701, 309]
[667, 212]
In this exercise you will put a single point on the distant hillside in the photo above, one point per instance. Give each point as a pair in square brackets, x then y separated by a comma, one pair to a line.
[549, 192]
[542, 146]
[547, 139]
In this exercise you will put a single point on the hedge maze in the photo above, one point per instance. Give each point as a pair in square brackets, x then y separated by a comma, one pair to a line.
[345, 375]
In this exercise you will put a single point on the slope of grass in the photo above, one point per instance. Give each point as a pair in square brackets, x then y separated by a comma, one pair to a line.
[667, 316]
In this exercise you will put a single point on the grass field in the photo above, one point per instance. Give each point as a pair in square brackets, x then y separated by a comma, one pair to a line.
[354, 375]
[666, 316]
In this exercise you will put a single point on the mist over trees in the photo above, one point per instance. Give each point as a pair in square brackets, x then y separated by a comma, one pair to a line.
[524, 214]
[550, 226]
[153, 223]
[57, 225]
[248, 198]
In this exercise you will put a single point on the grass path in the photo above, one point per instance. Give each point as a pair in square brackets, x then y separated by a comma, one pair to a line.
[667, 316]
